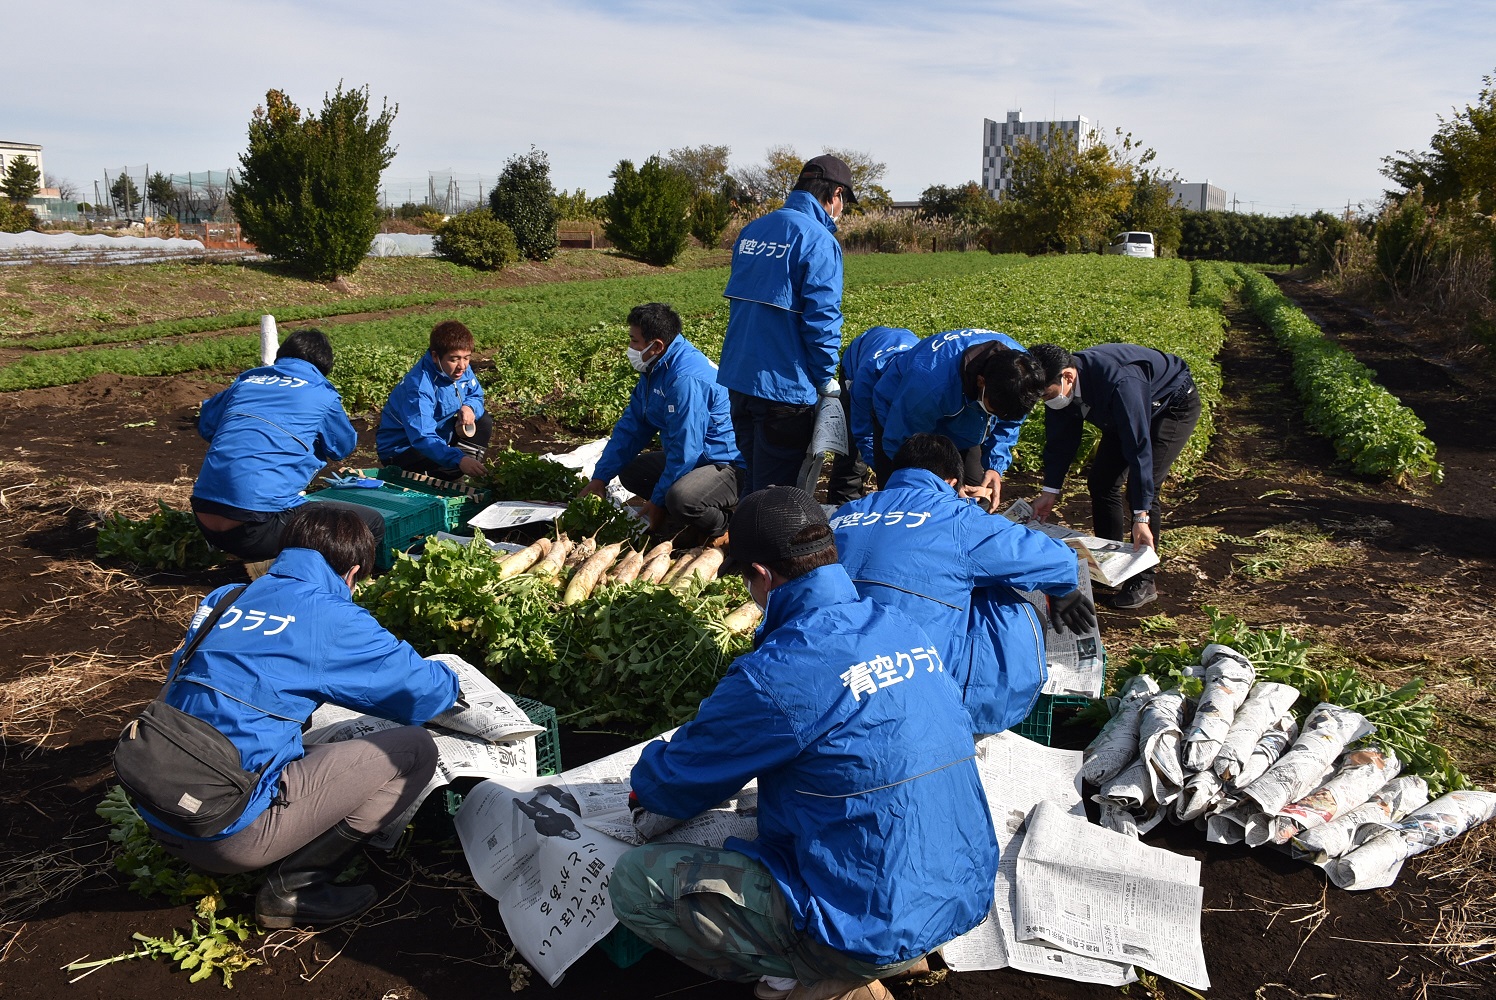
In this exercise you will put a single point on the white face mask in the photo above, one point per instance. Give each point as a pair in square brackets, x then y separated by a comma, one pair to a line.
[1059, 402]
[636, 358]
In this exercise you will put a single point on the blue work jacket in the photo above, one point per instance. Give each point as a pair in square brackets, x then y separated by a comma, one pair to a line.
[422, 410]
[956, 570]
[1122, 387]
[293, 640]
[862, 365]
[784, 317]
[679, 399]
[268, 434]
[922, 391]
[871, 814]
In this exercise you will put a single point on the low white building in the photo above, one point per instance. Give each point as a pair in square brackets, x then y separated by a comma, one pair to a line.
[999, 138]
[24, 151]
[1204, 197]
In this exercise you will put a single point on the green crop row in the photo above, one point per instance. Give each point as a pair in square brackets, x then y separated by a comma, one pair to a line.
[1343, 401]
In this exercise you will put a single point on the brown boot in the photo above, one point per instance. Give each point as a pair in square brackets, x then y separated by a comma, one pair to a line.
[841, 989]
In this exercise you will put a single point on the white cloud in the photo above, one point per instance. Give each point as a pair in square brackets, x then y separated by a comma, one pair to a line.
[1281, 103]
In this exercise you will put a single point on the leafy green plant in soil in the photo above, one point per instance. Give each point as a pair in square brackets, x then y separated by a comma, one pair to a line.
[591, 516]
[518, 475]
[167, 539]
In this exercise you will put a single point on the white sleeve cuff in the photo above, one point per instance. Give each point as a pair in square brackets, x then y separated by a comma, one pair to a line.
[1049, 489]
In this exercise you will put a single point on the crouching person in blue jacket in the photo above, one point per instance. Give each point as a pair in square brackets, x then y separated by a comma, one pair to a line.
[875, 843]
[917, 546]
[291, 641]
[268, 434]
[434, 421]
[693, 479]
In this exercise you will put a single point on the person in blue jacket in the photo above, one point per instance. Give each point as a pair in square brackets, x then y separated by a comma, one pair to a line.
[693, 479]
[875, 845]
[1146, 405]
[973, 386]
[290, 642]
[862, 363]
[784, 323]
[957, 571]
[268, 434]
[434, 421]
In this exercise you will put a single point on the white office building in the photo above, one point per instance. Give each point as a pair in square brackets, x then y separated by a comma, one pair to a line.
[999, 138]
[1204, 197]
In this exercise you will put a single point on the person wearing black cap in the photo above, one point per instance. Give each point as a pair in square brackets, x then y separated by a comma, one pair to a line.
[875, 844]
[784, 323]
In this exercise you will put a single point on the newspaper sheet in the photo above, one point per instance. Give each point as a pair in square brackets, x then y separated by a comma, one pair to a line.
[1265, 705]
[1393, 801]
[1327, 731]
[1356, 778]
[545, 849]
[1016, 775]
[1116, 745]
[506, 514]
[1098, 893]
[1111, 563]
[1378, 858]
[1228, 679]
[491, 738]
[1075, 661]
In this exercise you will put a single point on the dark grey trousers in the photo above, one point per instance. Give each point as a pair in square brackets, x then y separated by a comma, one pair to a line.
[703, 498]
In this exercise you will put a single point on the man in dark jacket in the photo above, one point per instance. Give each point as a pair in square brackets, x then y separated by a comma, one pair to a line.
[1146, 405]
[693, 478]
[268, 434]
[784, 324]
[875, 845]
[290, 642]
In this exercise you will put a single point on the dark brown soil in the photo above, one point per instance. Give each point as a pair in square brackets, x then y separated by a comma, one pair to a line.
[1417, 603]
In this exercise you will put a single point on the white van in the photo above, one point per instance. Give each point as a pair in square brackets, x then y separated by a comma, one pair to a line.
[1132, 245]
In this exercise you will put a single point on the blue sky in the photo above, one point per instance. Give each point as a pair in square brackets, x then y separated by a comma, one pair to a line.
[1285, 105]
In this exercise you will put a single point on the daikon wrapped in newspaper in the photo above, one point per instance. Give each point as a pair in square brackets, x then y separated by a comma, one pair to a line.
[1270, 746]
[1160, 731]
[1116, 745]
[1228, 679]
[1376, 863]
[1326, 733]
[1356, 778]
[1230, 826]
[1202, 791]
[1266, 704]
[1393, 801]
[1127, 804]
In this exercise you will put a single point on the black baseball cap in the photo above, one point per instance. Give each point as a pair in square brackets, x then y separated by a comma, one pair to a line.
[765, 525]
[833, 168]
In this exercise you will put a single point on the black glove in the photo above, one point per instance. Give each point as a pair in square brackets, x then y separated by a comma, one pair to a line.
[1073, 611]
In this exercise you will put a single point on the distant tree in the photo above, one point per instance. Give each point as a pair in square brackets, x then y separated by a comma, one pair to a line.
[1065, 195]
[308, 193]
[967, 203]
[576, 205]
[1152, 209]
[647, 210]
[22, 180]
[524, 200]
[162, 194]
[66, 189]
[15, 217]
[711, 213]
[1462, 158]
[478, 240]
[124, 194]
[704, 166]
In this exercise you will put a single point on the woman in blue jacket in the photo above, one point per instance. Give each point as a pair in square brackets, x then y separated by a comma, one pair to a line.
[291, 641]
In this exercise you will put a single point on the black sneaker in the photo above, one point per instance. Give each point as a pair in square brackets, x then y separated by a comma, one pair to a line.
[1135, 593]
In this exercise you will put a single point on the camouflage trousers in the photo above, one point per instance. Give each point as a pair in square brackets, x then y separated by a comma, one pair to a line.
[722, 913]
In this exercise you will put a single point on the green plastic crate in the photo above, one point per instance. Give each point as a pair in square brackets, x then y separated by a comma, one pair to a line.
[623, 947]
[408, 516]
[548, 743]
[1039, 724]
[462, 502]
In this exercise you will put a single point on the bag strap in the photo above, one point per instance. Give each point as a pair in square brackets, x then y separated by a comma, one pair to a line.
[219, 609]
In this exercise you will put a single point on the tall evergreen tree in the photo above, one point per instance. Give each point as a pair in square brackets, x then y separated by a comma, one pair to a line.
[22, 180]
[525, 201]
[647, 210]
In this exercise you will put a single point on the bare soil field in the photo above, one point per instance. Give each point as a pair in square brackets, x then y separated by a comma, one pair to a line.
[1403, 582]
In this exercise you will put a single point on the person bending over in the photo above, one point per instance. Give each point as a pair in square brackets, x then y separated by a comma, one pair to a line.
[875, 844]
[291, 641]
[434, 421]
[268, 434]
[917, 546]
[692, 481]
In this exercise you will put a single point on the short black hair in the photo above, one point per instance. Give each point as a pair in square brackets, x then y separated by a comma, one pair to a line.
[932, 452]
[308, 345]
[1053, 359]
[797, 566]
[1014, 383]
[656, 321]
[340, 535]
[822, 189]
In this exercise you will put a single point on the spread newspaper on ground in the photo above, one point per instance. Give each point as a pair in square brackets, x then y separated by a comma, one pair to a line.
[1017, 774]
[489, 737]
[1111, 563]
[1098, 893]
[1076, 662]
[545, 849]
